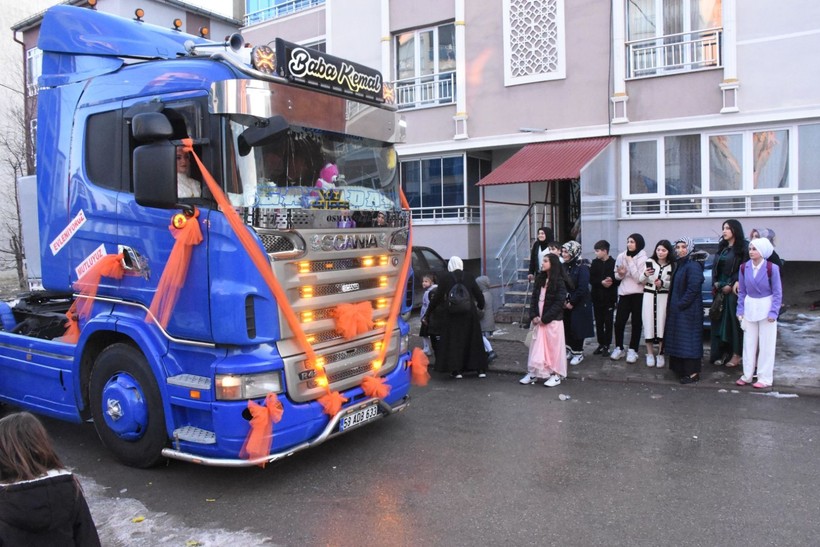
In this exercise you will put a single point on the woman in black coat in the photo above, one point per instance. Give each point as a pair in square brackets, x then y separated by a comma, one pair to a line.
[578, 324]
[539, 249]
[460, 347]
[683, 333]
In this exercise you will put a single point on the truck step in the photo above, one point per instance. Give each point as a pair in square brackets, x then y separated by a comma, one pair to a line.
[195, 435]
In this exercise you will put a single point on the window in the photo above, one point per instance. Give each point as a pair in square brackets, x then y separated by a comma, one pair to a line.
[771, 159]
[425, 67]
[764, 170]
[682, 165]
[103, 132]
[725, 162]
[258, 11]
[437, 188]
[809, 160]
[643, 167]
[672, 36]
[533, 41]
[34, 69]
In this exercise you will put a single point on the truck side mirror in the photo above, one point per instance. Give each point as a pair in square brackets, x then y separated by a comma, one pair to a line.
[155, 181]
[151, 126]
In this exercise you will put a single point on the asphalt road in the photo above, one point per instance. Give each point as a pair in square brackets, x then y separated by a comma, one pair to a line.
[491, 462]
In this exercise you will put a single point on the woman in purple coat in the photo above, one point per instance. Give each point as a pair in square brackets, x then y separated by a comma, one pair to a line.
[759, 296]
[683, 334]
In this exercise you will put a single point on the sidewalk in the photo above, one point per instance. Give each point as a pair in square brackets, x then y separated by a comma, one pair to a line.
[797, 365]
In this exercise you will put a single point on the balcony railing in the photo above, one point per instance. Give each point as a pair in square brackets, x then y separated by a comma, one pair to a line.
[776, 203]
[469, 214]
[424, 91]
[280, 10]
[674, 53]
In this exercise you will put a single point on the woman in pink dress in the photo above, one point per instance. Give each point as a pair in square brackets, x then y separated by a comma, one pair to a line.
[547, 360]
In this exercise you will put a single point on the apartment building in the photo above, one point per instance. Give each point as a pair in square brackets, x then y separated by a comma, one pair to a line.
[599, 118]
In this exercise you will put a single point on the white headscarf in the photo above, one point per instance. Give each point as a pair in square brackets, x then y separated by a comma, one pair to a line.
[764, 246]
[454, 264]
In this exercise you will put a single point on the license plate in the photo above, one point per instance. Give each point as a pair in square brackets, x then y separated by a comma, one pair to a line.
[359, 417]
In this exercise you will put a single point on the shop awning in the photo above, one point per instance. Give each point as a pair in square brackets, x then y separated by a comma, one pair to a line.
[544, 161]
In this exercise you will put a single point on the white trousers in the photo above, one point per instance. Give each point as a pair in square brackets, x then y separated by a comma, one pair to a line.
[759, 341]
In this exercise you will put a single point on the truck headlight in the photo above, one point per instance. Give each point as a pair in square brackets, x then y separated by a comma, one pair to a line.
[235, 387]
[404, 343]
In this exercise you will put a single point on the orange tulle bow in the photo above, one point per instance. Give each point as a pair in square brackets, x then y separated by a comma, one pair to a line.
[88, 284]
[375, 386]
[258, 442]
[176, 269]
[354, 319]
[332, 402]
[419, 363]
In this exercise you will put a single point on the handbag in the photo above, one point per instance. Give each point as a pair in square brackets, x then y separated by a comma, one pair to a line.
[716, 311]
[528, 338]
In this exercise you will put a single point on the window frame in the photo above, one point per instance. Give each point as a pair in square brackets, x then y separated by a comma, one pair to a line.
[754, 200]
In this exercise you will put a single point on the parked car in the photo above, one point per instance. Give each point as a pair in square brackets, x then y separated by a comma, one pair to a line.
[710, 245]
[425, 260]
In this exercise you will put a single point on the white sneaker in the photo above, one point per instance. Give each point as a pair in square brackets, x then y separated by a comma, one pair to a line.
[650, 360]
[482, 375]
[528, 379]
[616, 354]
[553, 380]
[576, 359]
[631, 356]
[660, 361]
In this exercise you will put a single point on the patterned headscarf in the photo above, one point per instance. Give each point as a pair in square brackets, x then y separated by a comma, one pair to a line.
[454, 264]
[690, 245]
[573, 248]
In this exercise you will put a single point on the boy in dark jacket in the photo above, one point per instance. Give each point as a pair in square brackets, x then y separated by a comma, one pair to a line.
[604, 295]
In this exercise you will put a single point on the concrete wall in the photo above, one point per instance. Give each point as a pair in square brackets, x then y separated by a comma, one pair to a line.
[363, 17]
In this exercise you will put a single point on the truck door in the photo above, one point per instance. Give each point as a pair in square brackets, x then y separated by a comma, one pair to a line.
[145, 231]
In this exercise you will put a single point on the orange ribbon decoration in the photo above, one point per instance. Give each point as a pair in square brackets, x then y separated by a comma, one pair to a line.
[418, 371]
[187, 233]
[258, 442]
[107, 266]
[354, 319]
[398, 297]
[262, 263]
[375, 386]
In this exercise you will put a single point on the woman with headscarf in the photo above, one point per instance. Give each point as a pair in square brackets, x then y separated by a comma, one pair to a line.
[578, 323]
[461, 344]
[769, 234]
[727, 338]
[539, 248]
[683, 334]
[629, 266]
[760, 293]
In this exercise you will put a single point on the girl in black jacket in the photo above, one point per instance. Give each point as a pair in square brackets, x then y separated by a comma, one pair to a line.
[41, 503]
[547, 357]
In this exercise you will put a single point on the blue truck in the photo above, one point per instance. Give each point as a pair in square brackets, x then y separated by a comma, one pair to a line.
[133, 121]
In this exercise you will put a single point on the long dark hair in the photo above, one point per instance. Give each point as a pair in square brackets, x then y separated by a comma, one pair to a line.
[556, 274]
[25, 449]
[666, 244]
[737, 231]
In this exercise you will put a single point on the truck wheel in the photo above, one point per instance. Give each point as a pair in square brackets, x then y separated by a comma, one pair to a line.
[127, 406]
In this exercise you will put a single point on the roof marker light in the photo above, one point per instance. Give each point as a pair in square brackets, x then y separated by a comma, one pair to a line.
[139, 14]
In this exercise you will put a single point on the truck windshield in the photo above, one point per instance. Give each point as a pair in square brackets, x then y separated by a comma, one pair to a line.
[311, 169]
